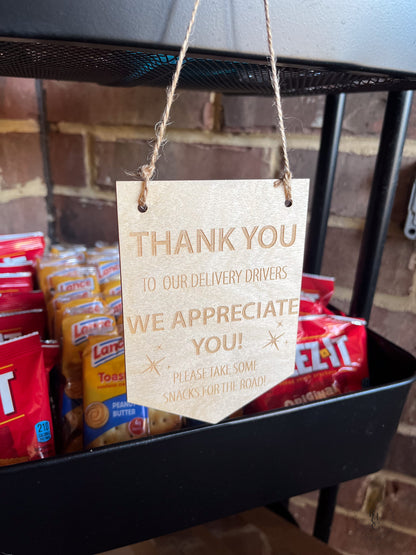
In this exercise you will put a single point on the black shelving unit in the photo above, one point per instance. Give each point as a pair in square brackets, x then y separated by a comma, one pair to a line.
[109, 497]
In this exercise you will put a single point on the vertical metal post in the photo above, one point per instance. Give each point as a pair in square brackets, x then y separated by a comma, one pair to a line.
[321, 203]
[324, 181]
[44, 145]
[383, 190]
[325, 513]
[378, 215]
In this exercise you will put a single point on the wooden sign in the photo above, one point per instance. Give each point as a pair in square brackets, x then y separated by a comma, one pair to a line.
[211, 277]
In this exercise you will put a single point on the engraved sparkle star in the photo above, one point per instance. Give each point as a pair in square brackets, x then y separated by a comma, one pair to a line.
[273, 340]
[153, 365]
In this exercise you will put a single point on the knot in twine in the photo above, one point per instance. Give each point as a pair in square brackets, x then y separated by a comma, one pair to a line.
[145, 174]
[285, 179]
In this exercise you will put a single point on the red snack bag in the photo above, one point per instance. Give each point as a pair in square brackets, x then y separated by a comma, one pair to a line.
[306, 307]
[21, 300]
[21, 247]
[331, 358]
[12, 283]
[13, 267]
[51, 355]
[15, 324]
[316, 292]
[26, 431]
[317, 288]
[17, 266]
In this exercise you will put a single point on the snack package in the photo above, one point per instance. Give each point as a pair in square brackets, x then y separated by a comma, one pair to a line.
[59, 298]
[63, 251]
[108, 416]
[112, 287]
[108, 270]
[66, 271]
[306, 307]
[15, 282]
[92, 304]
[21, 300]
[114, 303]
[12, 267]
[26, 431]
[161, 422]
[21, 247]
[316, 292]
[51, 351]
[75, 332]
[23, 322]
[102, 252]
[331, 359]
[86, 278]
[50, 265]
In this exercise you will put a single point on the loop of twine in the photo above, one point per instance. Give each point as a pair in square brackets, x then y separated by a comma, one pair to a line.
[286, 174]
[146, 172]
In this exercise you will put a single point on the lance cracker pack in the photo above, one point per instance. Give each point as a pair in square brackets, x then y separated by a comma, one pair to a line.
[108, 416]
[76, 329]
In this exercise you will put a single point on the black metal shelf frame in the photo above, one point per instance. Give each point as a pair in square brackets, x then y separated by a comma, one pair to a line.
[131, 492]
[380, 205]
[117, 495]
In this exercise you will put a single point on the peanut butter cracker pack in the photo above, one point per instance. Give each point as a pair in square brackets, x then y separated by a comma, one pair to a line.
[108, 416]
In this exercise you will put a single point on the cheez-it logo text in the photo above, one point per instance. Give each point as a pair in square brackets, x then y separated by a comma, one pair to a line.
[309, 356]
[6, 395]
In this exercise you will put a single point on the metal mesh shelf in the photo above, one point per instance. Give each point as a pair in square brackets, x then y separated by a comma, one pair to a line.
[129, 67]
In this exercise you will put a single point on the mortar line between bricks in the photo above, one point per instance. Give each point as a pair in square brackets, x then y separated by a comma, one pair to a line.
[89, 162]
[406, 429]
[273, 162]
[413, 287]
[360, 145]
[18, 126]
[381, 300]
[216, 101]
[363, 518]
[84, 193]
[392, 476]
[33, 188]
[347, 222]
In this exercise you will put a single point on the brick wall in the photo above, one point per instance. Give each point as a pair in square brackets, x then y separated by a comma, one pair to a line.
[97, 133]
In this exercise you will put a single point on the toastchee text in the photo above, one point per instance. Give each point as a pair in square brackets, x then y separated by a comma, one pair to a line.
[169, 242]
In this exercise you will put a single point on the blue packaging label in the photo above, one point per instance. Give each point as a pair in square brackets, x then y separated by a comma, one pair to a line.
[118, 411]
[69, 404]
[43, 431]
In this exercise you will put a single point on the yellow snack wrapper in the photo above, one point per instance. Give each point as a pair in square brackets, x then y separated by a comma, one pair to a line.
[61, 298]
[112, 287]
[75, 332]
[108, 416]
[86, 278]
[114, 304]
[50, 265]
[76, 329]
[91, 304]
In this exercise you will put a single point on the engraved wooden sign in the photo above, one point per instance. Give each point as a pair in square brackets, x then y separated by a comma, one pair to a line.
[211, 277]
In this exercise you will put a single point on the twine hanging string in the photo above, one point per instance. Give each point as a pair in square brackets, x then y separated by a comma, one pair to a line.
[146, 172]
[285, 170]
